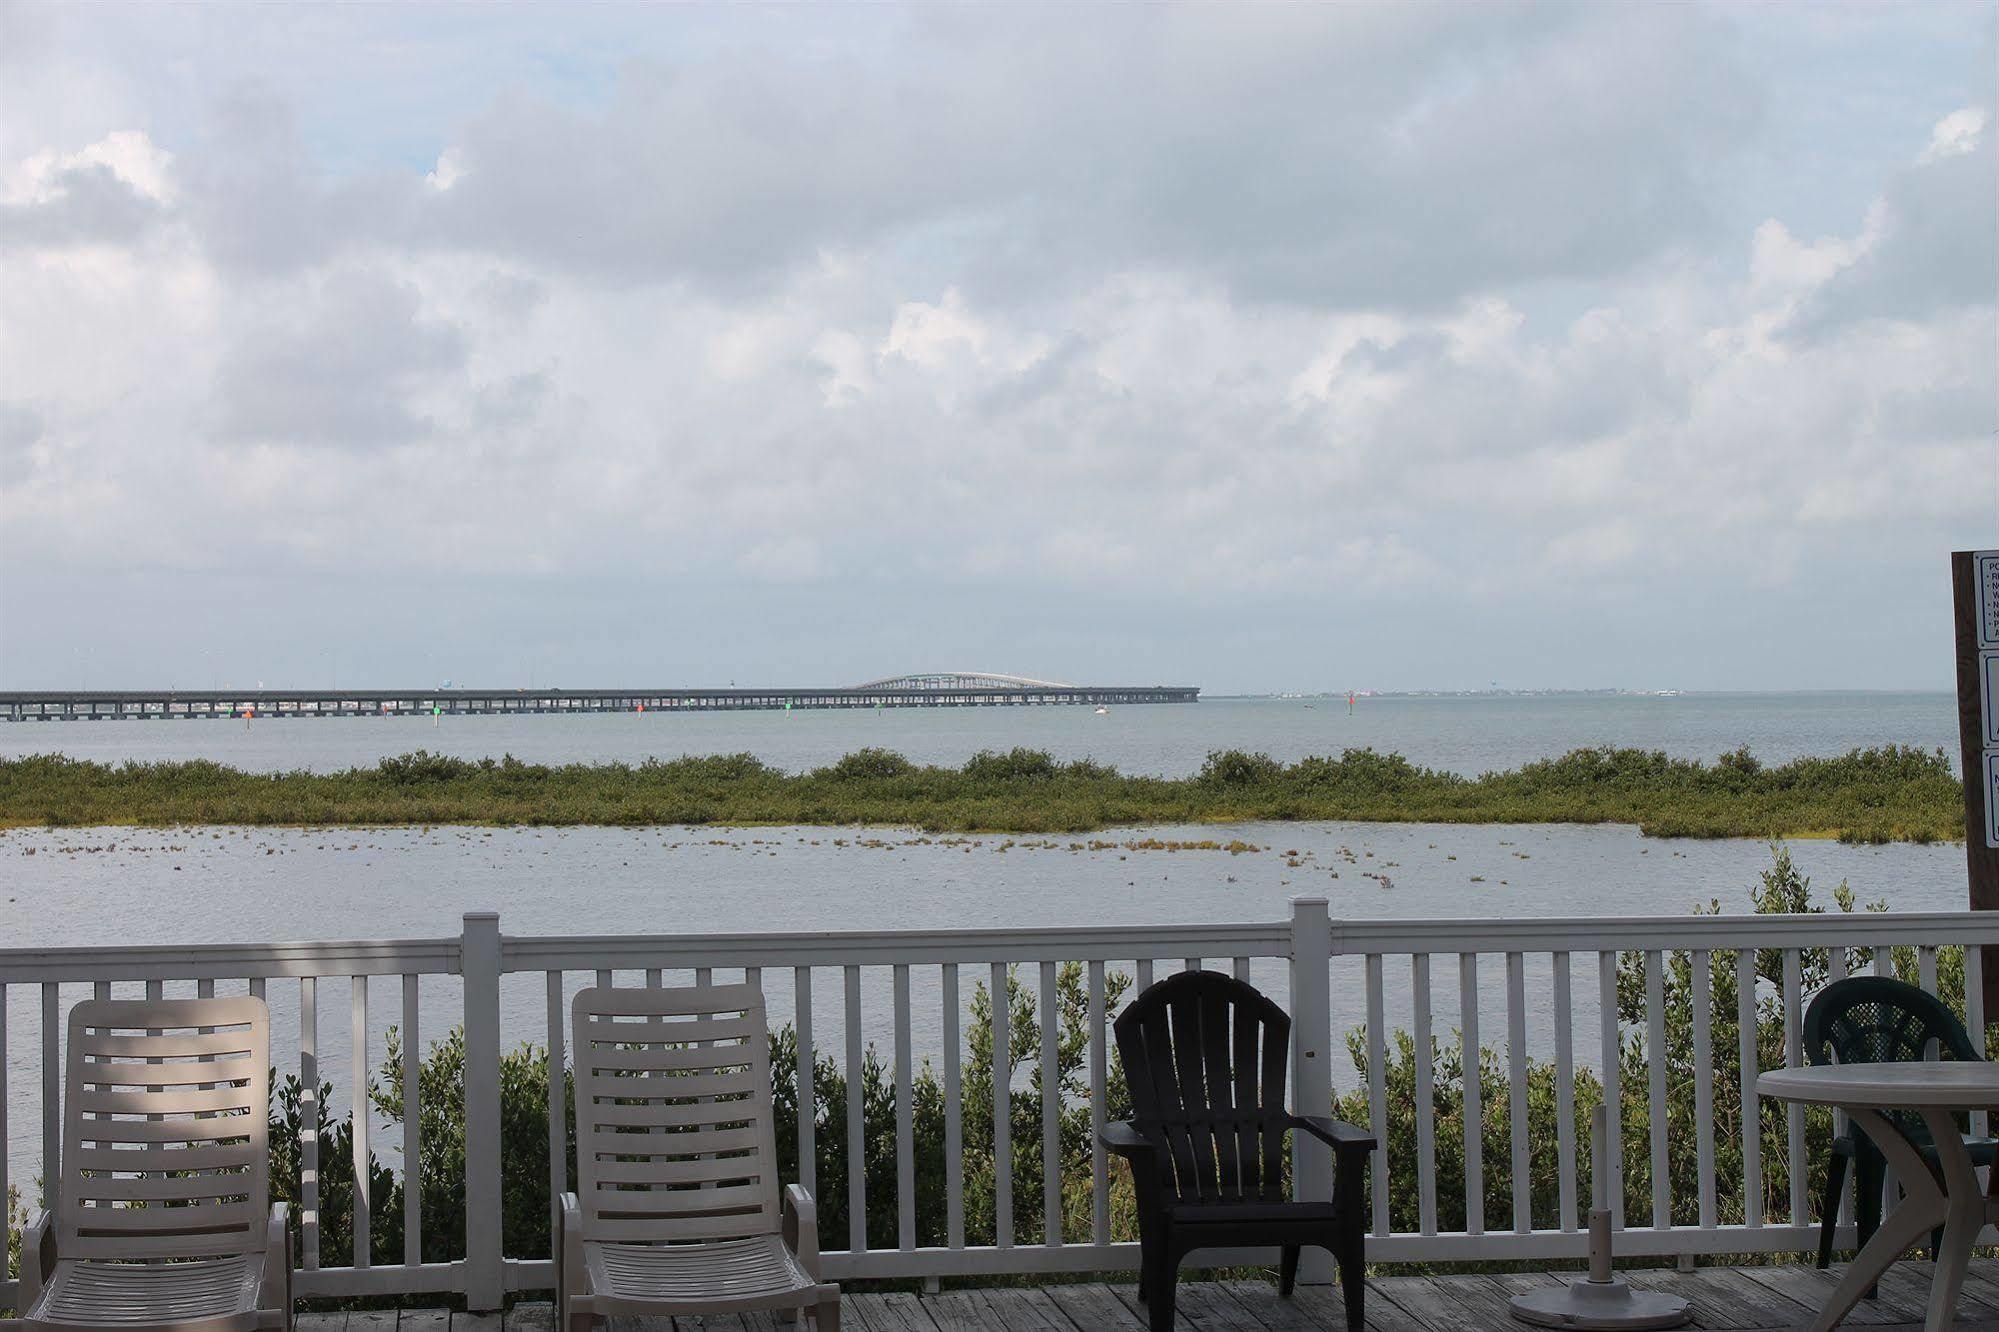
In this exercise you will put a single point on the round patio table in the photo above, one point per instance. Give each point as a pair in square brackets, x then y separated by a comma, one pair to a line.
[1949, 1195]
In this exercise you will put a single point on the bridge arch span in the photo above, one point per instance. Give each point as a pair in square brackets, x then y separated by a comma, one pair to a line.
[961, 680]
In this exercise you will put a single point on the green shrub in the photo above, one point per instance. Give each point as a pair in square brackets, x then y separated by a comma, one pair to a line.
[1231, 769]
[1367, 772]
[1015, 765]
[424, 766]
[869, 765]
[708, 768]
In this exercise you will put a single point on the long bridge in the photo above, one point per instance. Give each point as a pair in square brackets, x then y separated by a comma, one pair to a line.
[949, 689]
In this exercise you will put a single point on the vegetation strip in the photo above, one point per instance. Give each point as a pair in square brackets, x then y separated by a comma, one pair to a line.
[1894, 793]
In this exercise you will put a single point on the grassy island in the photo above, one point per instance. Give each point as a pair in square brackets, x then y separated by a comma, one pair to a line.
[1896, 793]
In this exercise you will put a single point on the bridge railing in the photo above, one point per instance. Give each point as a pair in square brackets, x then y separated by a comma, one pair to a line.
[1541, 996]
[272, 704]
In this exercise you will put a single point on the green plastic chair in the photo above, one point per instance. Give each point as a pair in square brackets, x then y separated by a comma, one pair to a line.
[1870, 1020]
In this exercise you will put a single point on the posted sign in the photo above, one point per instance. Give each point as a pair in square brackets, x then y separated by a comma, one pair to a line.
[1991, 799]
[1985, 566]
[1974, 578]
[1985, 591]
[1988, 696]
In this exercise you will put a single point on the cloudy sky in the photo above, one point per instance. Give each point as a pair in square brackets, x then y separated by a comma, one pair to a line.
[1258, 348]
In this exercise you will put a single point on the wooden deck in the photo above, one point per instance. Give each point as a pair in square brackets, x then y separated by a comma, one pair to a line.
[1764, 1299]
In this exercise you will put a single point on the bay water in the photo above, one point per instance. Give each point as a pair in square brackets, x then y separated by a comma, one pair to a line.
[80, 888]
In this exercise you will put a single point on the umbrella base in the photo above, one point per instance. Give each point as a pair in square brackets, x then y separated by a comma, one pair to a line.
[1599, 1306]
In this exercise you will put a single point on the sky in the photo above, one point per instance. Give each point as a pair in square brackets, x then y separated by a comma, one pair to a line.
[1259, 348]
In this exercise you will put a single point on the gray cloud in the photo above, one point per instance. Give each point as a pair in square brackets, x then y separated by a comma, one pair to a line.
[1156, 331]
[512, 402]
[1324, 156]
[512, 295]
[260, 203]
[1937, 249]
[88, 205]
[21, 428]
[334, 363]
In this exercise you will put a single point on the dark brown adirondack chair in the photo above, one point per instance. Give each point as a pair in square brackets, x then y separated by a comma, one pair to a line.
[1204, 1056]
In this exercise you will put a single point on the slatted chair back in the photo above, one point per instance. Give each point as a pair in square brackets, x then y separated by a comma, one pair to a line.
[674, 1133]
[1877, 1019]
[1204, 1058]
[166, 1130]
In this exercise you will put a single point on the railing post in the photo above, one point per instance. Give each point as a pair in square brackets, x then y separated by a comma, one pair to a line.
[1311, 1062]
[485, 1267]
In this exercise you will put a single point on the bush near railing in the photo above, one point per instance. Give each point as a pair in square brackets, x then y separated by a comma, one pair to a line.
[524, 1138]
[524, 1131]
[17, 1216]
[977, 1156]
[1782, 889]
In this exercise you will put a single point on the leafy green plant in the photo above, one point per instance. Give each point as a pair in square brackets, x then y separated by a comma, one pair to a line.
[1781, 888]
[869, 765]
[1016, 765]
[1229, 769]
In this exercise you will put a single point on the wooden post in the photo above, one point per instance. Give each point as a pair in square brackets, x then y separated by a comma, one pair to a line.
[1311, 1063]
[1975, 585]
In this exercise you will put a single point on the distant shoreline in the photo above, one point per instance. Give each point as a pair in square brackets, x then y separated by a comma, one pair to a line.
[1891, 794]
[1364, 695]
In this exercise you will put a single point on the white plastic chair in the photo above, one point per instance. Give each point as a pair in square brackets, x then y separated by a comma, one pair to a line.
[163, 1220]
[678, 1209]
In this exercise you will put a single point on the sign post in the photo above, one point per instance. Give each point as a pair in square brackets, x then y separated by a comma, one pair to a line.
[1975, 584]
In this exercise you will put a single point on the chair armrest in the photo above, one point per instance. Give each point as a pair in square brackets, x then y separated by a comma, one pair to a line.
[1127, 1142]
[571, 1278]
[1151, 1170]
[277, 1291]
[38, 1258]
[801, 1228]
[571, 1222]
[1342, 1137]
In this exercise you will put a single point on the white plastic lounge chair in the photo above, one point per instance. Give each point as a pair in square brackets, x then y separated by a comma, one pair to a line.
[676, 1164]
[163, 1220]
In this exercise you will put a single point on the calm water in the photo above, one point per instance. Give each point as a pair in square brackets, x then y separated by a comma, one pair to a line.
[61, 888]
[1468, 735]
[195, 885]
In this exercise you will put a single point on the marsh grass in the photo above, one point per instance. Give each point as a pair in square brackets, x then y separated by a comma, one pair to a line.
[1895, 793]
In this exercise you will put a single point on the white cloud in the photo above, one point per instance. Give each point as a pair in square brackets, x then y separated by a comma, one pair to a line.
[929, 335]
[448, 171]
[129, 156]
[1928, 244]
[847, 364]
[1956, 134]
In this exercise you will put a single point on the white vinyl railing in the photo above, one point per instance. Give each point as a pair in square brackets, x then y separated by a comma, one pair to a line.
[52, 978]
[1496, 958]
[1532, 989]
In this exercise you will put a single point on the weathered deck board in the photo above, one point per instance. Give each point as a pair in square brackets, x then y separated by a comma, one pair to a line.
[1095, 1304]
[1724, 1299]
[1981, 1283]
[1899, 1302]
[423, 1320]
[1760, 1299]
